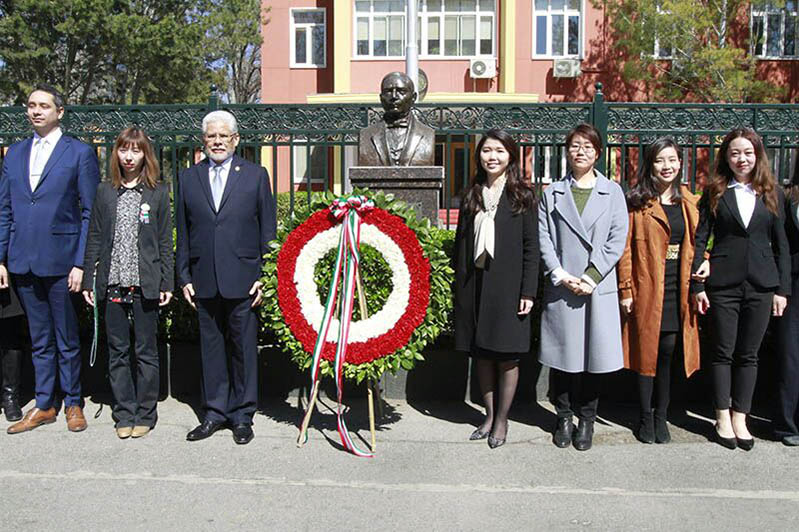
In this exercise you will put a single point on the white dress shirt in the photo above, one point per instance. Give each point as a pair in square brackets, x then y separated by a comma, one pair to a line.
[745, 197]
[41, 150]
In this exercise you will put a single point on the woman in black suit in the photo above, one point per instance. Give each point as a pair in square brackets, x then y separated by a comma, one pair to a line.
[786, 419]
[749, 274]
[129, 270]
[496, 276]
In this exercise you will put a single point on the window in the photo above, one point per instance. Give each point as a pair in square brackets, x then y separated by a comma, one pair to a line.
[308, 38]
[774, 30]
[309, 167]
[556, 28]
[446, 28]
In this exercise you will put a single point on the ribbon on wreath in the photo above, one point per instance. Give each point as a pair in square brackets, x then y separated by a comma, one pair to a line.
[347, 210]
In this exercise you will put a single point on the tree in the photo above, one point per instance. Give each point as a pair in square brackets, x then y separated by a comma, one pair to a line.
[57, 42]
[156, 51]
[234, 42]
[704, 52]
[105, 51]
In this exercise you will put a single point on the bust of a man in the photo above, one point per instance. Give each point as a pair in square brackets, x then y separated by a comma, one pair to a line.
[400, 139]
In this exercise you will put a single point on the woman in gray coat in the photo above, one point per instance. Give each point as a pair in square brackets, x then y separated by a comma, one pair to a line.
[582, 232]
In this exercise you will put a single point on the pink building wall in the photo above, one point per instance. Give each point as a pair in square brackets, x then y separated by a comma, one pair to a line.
[279, 82]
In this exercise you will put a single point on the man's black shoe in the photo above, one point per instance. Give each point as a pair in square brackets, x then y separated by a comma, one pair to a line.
[204, 430]
[242, 433]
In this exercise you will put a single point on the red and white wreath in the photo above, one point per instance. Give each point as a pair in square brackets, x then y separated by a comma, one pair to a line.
[380, 334]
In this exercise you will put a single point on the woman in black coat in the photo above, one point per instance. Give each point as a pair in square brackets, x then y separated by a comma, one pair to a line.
[496, 276]
[129, 272]
[786, 418]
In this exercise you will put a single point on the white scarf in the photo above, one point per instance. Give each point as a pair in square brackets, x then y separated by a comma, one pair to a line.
[484, 222]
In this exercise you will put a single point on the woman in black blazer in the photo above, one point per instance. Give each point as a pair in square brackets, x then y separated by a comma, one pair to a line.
[749, 280]
[496, 276]
[786, 418]
[129, 271]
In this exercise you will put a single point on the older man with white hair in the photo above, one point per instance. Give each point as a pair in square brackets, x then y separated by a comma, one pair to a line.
[225, 218]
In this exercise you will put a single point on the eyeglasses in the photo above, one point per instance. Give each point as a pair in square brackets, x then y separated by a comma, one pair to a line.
[588, 149]
[223, 137]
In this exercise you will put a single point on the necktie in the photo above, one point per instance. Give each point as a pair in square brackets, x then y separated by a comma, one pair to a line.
[216, 186]
[38, 163]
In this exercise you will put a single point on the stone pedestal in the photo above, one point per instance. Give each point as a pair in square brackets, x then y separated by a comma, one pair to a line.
[419, 186]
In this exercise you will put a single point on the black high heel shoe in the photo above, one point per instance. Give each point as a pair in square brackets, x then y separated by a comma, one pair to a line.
[496, 442]
[746, 445]
[729, 443]
[478, 435]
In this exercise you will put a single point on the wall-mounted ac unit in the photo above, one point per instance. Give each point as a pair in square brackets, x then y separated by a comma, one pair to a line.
[482, 68]
[566, 68]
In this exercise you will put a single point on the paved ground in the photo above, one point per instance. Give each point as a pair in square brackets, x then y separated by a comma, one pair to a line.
[426, 476]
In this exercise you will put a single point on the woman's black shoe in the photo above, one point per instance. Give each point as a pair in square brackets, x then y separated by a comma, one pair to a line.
[563, 433]
[729, 443]
[661, 427]
[646, 428]
[478, 435]
[746, 445]
[495, 442]
[584, 435]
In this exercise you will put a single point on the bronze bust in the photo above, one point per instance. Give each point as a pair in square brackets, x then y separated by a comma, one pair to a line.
[400, 139]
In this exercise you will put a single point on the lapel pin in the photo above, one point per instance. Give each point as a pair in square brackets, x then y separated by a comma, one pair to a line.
[237, 168]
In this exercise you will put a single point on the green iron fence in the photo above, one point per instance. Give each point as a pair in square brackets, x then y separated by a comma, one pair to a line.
[310, 146]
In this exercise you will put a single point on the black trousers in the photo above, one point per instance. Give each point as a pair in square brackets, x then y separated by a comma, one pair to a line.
[575, 393]
[135, 400]
[738, 317]
[667, 347]
[230, 368]
[13, 333]
[786, 416]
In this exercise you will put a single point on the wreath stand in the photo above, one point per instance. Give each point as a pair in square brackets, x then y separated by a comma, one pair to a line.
[373, 390]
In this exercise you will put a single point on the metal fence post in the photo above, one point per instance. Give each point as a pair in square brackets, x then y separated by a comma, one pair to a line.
[213, 99]
[599, 119]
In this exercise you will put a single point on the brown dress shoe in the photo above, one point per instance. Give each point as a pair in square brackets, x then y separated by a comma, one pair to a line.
[75, 420]
[33, 419]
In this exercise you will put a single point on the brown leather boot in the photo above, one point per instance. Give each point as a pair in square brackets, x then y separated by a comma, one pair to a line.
[75, 420]
[33, 419]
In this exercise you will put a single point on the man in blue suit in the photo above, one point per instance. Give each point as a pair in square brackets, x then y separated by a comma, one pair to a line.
[225, 218]
[46, 192]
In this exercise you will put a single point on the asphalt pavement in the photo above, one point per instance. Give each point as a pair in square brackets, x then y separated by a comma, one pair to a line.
[426, 475]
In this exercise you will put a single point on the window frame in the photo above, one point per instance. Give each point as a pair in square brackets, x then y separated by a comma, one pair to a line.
[783, 12]
[309, 147]
[566, 12]
[422, 32]
[308, 27]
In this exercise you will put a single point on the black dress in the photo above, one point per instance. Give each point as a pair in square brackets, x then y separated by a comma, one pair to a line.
[670, 317]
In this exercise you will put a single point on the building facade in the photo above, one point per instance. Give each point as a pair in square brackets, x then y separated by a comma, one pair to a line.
[530, 50]
[471, 51]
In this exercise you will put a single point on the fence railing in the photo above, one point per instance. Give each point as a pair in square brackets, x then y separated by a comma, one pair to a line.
[310, 146]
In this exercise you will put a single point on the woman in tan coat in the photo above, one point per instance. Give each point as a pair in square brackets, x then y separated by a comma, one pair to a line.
[654, 276]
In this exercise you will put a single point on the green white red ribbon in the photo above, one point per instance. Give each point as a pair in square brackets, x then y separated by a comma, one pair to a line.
[347, 210]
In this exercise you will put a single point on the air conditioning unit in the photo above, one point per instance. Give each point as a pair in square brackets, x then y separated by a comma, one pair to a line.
[482, 68]
[566, 68]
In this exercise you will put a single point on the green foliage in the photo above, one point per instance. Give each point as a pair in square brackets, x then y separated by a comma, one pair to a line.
[374, 272]
[711, 61]
[436, 245]
[127, 51]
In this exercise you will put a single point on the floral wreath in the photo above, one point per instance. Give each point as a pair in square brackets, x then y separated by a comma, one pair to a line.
[413, 315]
